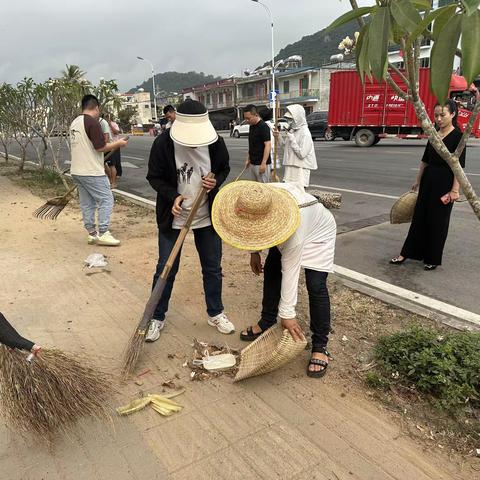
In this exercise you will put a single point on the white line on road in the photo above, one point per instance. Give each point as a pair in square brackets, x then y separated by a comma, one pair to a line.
[132, 158]
[129, 165]
[359, 192]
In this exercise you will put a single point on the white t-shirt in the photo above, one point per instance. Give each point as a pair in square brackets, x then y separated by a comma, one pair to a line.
[312, 246]
[192, 164]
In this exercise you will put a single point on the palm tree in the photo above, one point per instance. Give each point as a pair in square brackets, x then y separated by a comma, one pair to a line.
[73, 74]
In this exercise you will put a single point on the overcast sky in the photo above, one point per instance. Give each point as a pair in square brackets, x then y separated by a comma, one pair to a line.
[104, 37]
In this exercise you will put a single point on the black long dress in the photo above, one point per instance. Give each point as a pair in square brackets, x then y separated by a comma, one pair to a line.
[429, 229]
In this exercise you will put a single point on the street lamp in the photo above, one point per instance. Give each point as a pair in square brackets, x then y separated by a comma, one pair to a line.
[274, 95]
[153, 81]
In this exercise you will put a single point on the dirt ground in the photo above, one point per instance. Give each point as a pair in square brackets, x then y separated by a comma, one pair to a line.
[281, 425]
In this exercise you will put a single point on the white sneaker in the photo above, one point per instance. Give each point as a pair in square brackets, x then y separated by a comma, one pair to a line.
[107, 239]
[91, 239]
[153, 334]
[223, 324]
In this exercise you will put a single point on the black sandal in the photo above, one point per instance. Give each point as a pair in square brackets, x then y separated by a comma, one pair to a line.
[397, 261]
[250, 336]
[317, 361]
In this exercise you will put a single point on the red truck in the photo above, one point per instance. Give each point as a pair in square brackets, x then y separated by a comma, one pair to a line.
[372, 111]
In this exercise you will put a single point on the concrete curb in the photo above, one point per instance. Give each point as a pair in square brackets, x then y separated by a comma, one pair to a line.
[412, 301]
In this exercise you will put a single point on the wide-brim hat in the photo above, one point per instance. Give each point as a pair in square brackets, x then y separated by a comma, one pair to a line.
[402, 210]
[193, 130]
[254, 216]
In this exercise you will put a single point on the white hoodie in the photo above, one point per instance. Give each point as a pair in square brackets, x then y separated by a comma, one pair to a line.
[299, 151]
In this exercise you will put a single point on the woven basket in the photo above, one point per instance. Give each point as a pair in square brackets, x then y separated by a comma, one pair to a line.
[330, 200]
[403, 208]
[271, 350]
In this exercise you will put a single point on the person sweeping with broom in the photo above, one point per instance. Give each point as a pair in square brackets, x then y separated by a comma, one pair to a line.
[180, 160]
[299, 232]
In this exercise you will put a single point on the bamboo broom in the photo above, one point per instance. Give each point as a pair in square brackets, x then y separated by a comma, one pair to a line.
[48, 391]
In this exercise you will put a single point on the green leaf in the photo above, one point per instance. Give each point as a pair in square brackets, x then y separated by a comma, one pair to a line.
[361, 51]
[349, 16]
[442, 20]
[378, 35]
[471, 6]
[423, 4]
[471, 46]
[443, 54]
[406, 15]
[423, 25]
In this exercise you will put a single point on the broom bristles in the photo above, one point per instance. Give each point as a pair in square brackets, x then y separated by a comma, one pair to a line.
[132, 352]
[51, 393]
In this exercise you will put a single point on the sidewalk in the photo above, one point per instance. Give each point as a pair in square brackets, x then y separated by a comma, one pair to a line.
[283, 425]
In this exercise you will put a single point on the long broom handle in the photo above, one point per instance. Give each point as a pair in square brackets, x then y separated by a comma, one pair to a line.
[160, 285]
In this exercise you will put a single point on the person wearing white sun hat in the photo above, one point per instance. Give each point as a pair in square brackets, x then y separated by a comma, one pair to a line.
[179, 161]
[299, 232]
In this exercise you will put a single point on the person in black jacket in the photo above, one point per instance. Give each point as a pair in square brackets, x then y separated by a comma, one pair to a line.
[179, 161]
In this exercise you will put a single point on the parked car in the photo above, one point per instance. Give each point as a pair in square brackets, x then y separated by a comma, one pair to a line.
[318, 125]
[243, 129]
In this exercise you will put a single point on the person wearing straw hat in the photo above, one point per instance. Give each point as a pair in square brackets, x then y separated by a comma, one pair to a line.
[179, 161]
[299, 232]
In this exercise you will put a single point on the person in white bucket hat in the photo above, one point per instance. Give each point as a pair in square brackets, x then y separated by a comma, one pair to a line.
[179, 161]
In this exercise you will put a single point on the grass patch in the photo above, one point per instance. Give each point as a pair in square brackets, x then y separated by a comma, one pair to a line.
[45, 183]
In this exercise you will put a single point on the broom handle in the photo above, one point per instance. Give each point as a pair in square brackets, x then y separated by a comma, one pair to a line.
[160, 285]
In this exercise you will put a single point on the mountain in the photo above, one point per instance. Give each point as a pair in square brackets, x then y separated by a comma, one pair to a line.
[175, 81]
[317, 49]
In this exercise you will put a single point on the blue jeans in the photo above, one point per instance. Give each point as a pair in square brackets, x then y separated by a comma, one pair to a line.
[95, 192]
[209, 248]
[319, 299]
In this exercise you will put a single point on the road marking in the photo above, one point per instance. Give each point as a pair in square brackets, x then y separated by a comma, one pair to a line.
[129, 165]
[132, 158]
[467, 173]
[359, 192]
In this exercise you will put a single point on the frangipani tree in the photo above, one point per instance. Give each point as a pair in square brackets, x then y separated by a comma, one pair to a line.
[407, 23]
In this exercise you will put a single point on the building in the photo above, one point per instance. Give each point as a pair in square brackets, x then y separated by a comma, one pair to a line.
[219, 98]
[140, 100]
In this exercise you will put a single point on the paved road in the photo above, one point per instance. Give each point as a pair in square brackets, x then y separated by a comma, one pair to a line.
[369, 179]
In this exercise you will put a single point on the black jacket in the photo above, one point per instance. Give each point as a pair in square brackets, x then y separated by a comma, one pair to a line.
[162, 174]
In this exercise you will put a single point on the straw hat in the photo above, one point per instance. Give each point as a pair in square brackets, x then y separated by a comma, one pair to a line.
[192, 126]
[403, 208]
[254, 216]
[271, 350]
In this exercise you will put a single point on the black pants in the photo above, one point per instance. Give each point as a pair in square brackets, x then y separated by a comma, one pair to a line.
[319, 300]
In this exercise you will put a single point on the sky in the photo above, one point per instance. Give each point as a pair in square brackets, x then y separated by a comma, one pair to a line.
[221, 37]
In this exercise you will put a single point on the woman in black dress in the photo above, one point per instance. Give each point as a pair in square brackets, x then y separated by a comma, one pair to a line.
[428, 231]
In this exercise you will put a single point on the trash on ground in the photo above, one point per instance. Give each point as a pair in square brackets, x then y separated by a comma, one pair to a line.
[210, 361]
[96, 260]
[162, 404]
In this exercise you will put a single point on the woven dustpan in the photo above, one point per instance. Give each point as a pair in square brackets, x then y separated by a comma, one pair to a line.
[268, 352]
[403, 208]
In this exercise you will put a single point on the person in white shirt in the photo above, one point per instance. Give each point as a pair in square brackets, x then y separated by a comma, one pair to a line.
[87, 146]
[299, 232]
[299, 152]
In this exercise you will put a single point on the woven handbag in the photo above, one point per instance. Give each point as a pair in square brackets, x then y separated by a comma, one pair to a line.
[402, 210]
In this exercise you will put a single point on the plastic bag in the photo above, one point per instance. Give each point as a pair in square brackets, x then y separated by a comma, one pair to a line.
[96, 260]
